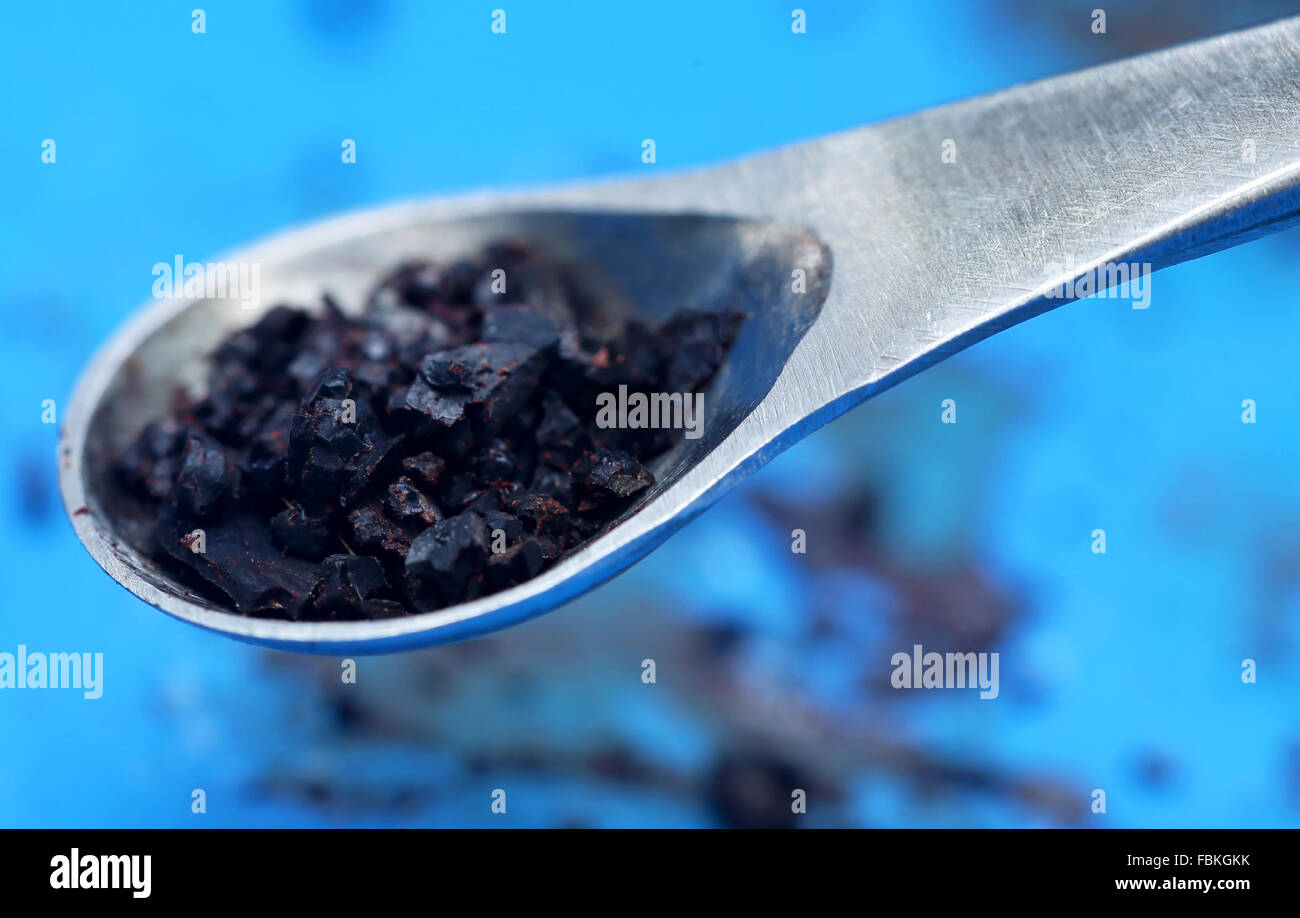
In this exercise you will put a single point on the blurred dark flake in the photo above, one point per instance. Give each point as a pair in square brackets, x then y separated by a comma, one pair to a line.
[345, 23]
[35, 486]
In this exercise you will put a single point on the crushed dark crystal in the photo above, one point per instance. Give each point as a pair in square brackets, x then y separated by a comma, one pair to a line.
[439, 445]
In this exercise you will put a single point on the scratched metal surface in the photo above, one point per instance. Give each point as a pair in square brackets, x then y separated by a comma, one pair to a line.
[1138, 161]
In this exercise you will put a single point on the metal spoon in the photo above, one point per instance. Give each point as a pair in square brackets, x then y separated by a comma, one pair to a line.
[915, 238]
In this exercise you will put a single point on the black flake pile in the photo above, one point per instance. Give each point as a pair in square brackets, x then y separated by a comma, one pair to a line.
[439, 446]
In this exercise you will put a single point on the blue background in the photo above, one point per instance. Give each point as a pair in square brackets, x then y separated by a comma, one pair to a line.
[1119, 671]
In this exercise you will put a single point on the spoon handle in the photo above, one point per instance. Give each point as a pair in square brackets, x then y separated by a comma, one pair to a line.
[951, 224]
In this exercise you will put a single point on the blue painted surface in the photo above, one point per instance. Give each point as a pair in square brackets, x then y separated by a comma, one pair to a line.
[1118, 671]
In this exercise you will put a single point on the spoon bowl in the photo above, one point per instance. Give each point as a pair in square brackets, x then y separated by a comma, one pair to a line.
[632, 265]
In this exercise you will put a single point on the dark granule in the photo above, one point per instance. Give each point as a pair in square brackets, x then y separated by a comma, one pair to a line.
[439, 446]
